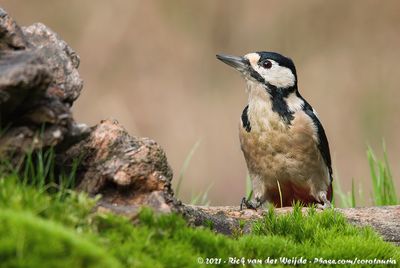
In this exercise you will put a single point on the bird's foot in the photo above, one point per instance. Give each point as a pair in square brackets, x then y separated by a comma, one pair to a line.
[326, 204]
[250, 204]
[246, 203]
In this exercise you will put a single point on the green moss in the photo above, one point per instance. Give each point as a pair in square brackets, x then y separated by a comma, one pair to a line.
[41, 228]
[28, 241]
[170, 243]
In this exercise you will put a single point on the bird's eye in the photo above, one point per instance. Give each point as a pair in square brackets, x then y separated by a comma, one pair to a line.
[267, 64]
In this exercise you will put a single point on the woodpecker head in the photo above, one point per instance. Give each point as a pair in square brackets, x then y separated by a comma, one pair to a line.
[274, 71]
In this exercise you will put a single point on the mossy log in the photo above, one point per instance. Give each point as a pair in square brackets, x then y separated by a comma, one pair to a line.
[230, 220]
[385, 220]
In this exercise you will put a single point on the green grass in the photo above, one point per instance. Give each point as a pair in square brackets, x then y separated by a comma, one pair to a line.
[384, 191]
[38, 229]
[200, 198]
[185, 166]
[383, 188]
[45, 224]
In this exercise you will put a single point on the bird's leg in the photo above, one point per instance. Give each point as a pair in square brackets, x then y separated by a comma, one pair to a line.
[326, 204]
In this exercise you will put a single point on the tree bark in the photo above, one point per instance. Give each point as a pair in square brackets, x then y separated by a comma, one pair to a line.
[39, 81]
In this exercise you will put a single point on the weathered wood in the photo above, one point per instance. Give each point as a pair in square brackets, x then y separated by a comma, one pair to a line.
[127, 171]
[385, 220]
[39, 81]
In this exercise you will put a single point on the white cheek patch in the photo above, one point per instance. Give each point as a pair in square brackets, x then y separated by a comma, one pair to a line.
[277, 75]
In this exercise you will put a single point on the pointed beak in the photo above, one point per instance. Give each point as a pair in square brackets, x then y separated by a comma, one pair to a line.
[239, 63]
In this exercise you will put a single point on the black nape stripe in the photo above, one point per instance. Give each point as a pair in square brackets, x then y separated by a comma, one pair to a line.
[245, 119]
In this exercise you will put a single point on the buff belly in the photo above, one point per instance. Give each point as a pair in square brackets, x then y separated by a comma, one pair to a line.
[287, 156]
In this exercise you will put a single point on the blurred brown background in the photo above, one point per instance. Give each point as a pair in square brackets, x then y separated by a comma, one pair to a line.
[152, 66]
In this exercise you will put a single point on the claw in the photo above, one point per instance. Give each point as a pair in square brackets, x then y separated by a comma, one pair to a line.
[326, 204]
[242, 202]
[247, 204]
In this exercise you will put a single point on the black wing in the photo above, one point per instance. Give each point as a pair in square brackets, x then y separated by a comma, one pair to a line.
[323, 145]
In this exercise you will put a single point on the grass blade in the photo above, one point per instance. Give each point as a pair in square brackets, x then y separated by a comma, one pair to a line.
[185, 166]
[353, 194]
[384, 192]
